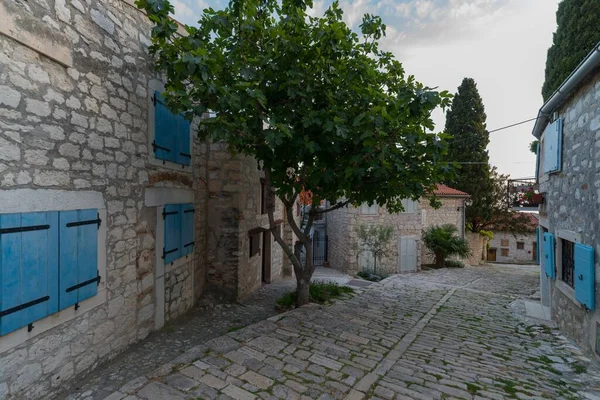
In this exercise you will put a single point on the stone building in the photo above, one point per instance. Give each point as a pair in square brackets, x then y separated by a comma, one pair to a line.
[114, 217]
[568, 127]
[406, 254]
[506, 247]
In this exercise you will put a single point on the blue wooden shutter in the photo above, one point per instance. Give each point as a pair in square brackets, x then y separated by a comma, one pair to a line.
[78, 256]
[172, 218]
[549, 264]
[28, 268]
[584, 275]
[184, 155]
[553, 147]
[165, 131]
[187, 229]
[537, 246]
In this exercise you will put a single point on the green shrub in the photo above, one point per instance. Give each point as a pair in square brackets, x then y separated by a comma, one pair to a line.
[369, 276]
[443, 242]
[454, 264]
[320, 292]
[363, 274]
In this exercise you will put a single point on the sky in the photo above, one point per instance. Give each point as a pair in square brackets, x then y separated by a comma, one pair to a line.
[502, 44]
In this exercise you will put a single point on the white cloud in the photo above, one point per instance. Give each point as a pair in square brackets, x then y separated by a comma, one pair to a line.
[318, 8]
[184, 13]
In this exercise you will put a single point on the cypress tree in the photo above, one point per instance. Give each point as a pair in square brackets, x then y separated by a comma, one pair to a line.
[467, 143]
[577, 33]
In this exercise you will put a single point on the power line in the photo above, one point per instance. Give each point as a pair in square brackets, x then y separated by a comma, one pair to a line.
[510, 126]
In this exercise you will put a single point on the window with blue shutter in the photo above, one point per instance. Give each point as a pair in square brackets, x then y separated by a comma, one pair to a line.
[184, 153]
[171, 134]
[79, 276]
[549, 259]
[179, 230]
[28, 268]
[584, 276]
[187, 229]
[552, 147]
[172, 219]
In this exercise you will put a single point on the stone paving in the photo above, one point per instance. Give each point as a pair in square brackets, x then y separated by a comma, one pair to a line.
[199, 325]
[447, 334]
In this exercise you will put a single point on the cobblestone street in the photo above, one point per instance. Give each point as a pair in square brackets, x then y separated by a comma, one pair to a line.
[443, 334]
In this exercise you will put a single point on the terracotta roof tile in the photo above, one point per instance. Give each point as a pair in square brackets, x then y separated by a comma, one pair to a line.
[443, 190]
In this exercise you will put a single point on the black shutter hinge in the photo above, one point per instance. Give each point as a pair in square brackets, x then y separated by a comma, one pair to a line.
[97, 221]
[157, 146]
[164, 213]
[168, 252]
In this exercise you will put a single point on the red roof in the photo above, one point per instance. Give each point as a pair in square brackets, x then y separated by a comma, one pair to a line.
[443, 190]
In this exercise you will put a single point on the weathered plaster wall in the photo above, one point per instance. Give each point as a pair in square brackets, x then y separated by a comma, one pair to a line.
[451, 212]
[526, 255]
[572, 203]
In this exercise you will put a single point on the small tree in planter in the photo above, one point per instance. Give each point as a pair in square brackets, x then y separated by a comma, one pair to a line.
[375, 239]
[443, 243]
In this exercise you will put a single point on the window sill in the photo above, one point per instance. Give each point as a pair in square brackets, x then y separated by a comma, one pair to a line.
[170, 165]
[568, 291]
[21, 335]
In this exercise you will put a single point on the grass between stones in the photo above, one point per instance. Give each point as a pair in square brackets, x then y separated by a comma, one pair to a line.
[320, 292]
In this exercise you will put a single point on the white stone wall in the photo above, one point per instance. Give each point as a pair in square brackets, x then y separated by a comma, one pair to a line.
[341, 231]
[79, 122]
[571, 205]
[515, 255]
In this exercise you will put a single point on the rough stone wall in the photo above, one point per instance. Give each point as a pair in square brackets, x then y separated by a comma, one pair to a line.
[451, 212]
[84, 127]
[478, 246]
[341, 230]
[179, 296]
[250, 269]
[572, 200]
[234, 208]
[338, 235]
[525, 255]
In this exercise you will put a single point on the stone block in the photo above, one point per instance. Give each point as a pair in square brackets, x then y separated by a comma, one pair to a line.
[9, 96]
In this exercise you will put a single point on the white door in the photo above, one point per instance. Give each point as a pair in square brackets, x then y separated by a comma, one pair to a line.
[407, 254]
[366, 261]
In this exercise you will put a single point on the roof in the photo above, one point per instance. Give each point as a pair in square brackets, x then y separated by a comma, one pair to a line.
[443, 190]
[532, 219]
[589, 64]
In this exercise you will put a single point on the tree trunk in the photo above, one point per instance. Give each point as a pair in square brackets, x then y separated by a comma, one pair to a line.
[302, 290]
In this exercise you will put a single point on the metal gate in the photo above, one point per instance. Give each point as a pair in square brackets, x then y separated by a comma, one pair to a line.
[319, 246]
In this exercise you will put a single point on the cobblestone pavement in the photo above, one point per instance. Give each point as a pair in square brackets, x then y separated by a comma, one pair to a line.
[197, 326]
[446, 334]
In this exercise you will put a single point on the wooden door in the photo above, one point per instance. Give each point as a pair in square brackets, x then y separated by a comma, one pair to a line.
[491, 255]
[534, 252]
[407, 254]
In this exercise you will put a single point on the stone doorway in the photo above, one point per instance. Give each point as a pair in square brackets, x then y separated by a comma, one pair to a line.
[266, 257]
[491, 255]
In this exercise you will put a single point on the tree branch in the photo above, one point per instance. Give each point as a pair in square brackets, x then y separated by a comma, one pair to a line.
[336, 207]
